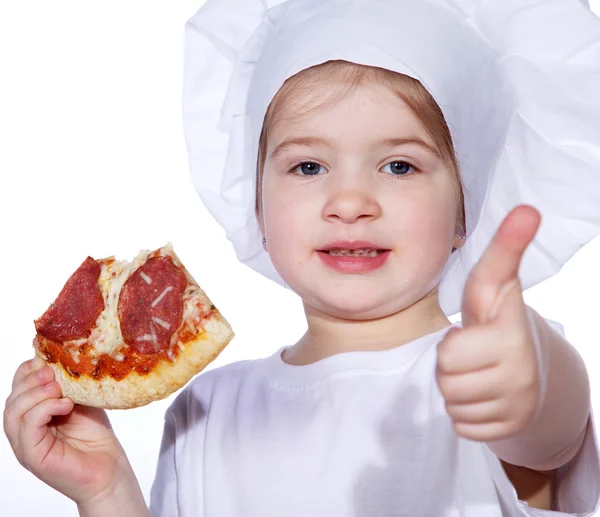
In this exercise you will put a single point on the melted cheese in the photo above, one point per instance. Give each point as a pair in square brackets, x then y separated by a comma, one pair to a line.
[74, 354]
[194, 302]
[106, 337]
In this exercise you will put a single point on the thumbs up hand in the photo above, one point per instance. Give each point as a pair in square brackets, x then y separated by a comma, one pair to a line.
[487, 371]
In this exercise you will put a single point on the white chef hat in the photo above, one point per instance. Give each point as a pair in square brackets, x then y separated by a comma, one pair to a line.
[518, 82]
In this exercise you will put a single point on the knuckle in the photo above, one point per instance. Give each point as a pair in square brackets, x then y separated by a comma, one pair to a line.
[36, 396]
[443, 361]
[446, 355]
[26, 418]
[26, 365]
[45, 390]
[480, 284]
[26, 383]
[22, 371]
[447, 387]
[463, 430]
[8, 414]
[452, 411]
[37, 362]
[29, 417]
[42, 375]
[526, 385]
[30, 365]
[9, 433]
[503, 409]
[17, 379]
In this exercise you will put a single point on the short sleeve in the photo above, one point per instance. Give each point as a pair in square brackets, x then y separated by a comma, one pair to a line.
[163, 494]
[577, 489]
[578, 482]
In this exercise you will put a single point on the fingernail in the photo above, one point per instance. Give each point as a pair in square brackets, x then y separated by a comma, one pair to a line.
[37, 363]
[49, 386]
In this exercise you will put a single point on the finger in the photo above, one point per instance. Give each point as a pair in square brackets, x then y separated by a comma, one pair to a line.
[487, 432]
[498, 267]
[466, 388]
[19, 406]
[36, 438]
[26, 368]
[33, 379]
[501, 260]
[478, 412]
[465, 350]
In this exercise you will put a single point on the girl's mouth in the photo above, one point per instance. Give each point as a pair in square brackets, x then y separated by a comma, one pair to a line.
[363, 252]
[355, 261]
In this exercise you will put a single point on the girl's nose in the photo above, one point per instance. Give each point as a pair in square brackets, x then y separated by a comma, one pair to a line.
[350, 204]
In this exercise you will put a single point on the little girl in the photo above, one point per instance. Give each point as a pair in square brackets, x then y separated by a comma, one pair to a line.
[389, 162]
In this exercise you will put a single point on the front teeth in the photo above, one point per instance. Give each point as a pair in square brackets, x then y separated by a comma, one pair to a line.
[354, 253]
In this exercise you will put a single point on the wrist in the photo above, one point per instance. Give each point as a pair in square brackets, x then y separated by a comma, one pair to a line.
[124, 497]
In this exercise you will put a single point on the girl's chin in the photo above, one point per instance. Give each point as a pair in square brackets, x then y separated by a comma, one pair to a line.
[359, 308]
[351, 297]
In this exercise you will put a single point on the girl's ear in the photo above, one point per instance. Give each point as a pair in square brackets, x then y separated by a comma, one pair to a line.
[459, 238]
[261, 226]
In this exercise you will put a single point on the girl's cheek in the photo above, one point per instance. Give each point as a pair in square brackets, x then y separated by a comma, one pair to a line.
[277, 218]
[279, 201]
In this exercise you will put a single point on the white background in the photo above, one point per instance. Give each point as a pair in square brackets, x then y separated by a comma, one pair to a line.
[93, 162]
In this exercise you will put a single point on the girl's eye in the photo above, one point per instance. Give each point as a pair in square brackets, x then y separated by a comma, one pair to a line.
[399, 168]
[307, 169]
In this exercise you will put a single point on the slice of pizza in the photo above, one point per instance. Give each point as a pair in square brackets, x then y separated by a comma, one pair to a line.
[123, 334]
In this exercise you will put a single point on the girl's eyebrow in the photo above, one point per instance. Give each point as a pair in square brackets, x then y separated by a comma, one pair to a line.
[414, 140]
[307, 141]
[298, 141]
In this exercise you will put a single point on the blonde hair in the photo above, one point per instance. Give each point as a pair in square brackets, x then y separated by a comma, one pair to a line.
[409, 90]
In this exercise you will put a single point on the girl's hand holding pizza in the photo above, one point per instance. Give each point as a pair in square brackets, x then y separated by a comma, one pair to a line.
[71, 448]
[119, 335]
[487, 371]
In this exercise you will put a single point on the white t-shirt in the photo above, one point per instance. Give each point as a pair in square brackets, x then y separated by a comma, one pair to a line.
[358, 434]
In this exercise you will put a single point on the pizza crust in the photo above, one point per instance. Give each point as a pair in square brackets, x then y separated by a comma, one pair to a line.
[136, 390]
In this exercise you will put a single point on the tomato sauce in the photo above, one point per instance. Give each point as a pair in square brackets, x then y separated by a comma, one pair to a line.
[103, 365]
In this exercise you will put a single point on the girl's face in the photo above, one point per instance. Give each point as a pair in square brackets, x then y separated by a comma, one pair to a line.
[354, 175]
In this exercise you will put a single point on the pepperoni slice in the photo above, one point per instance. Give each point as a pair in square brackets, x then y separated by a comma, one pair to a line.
[151, 305]
[74, 313]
